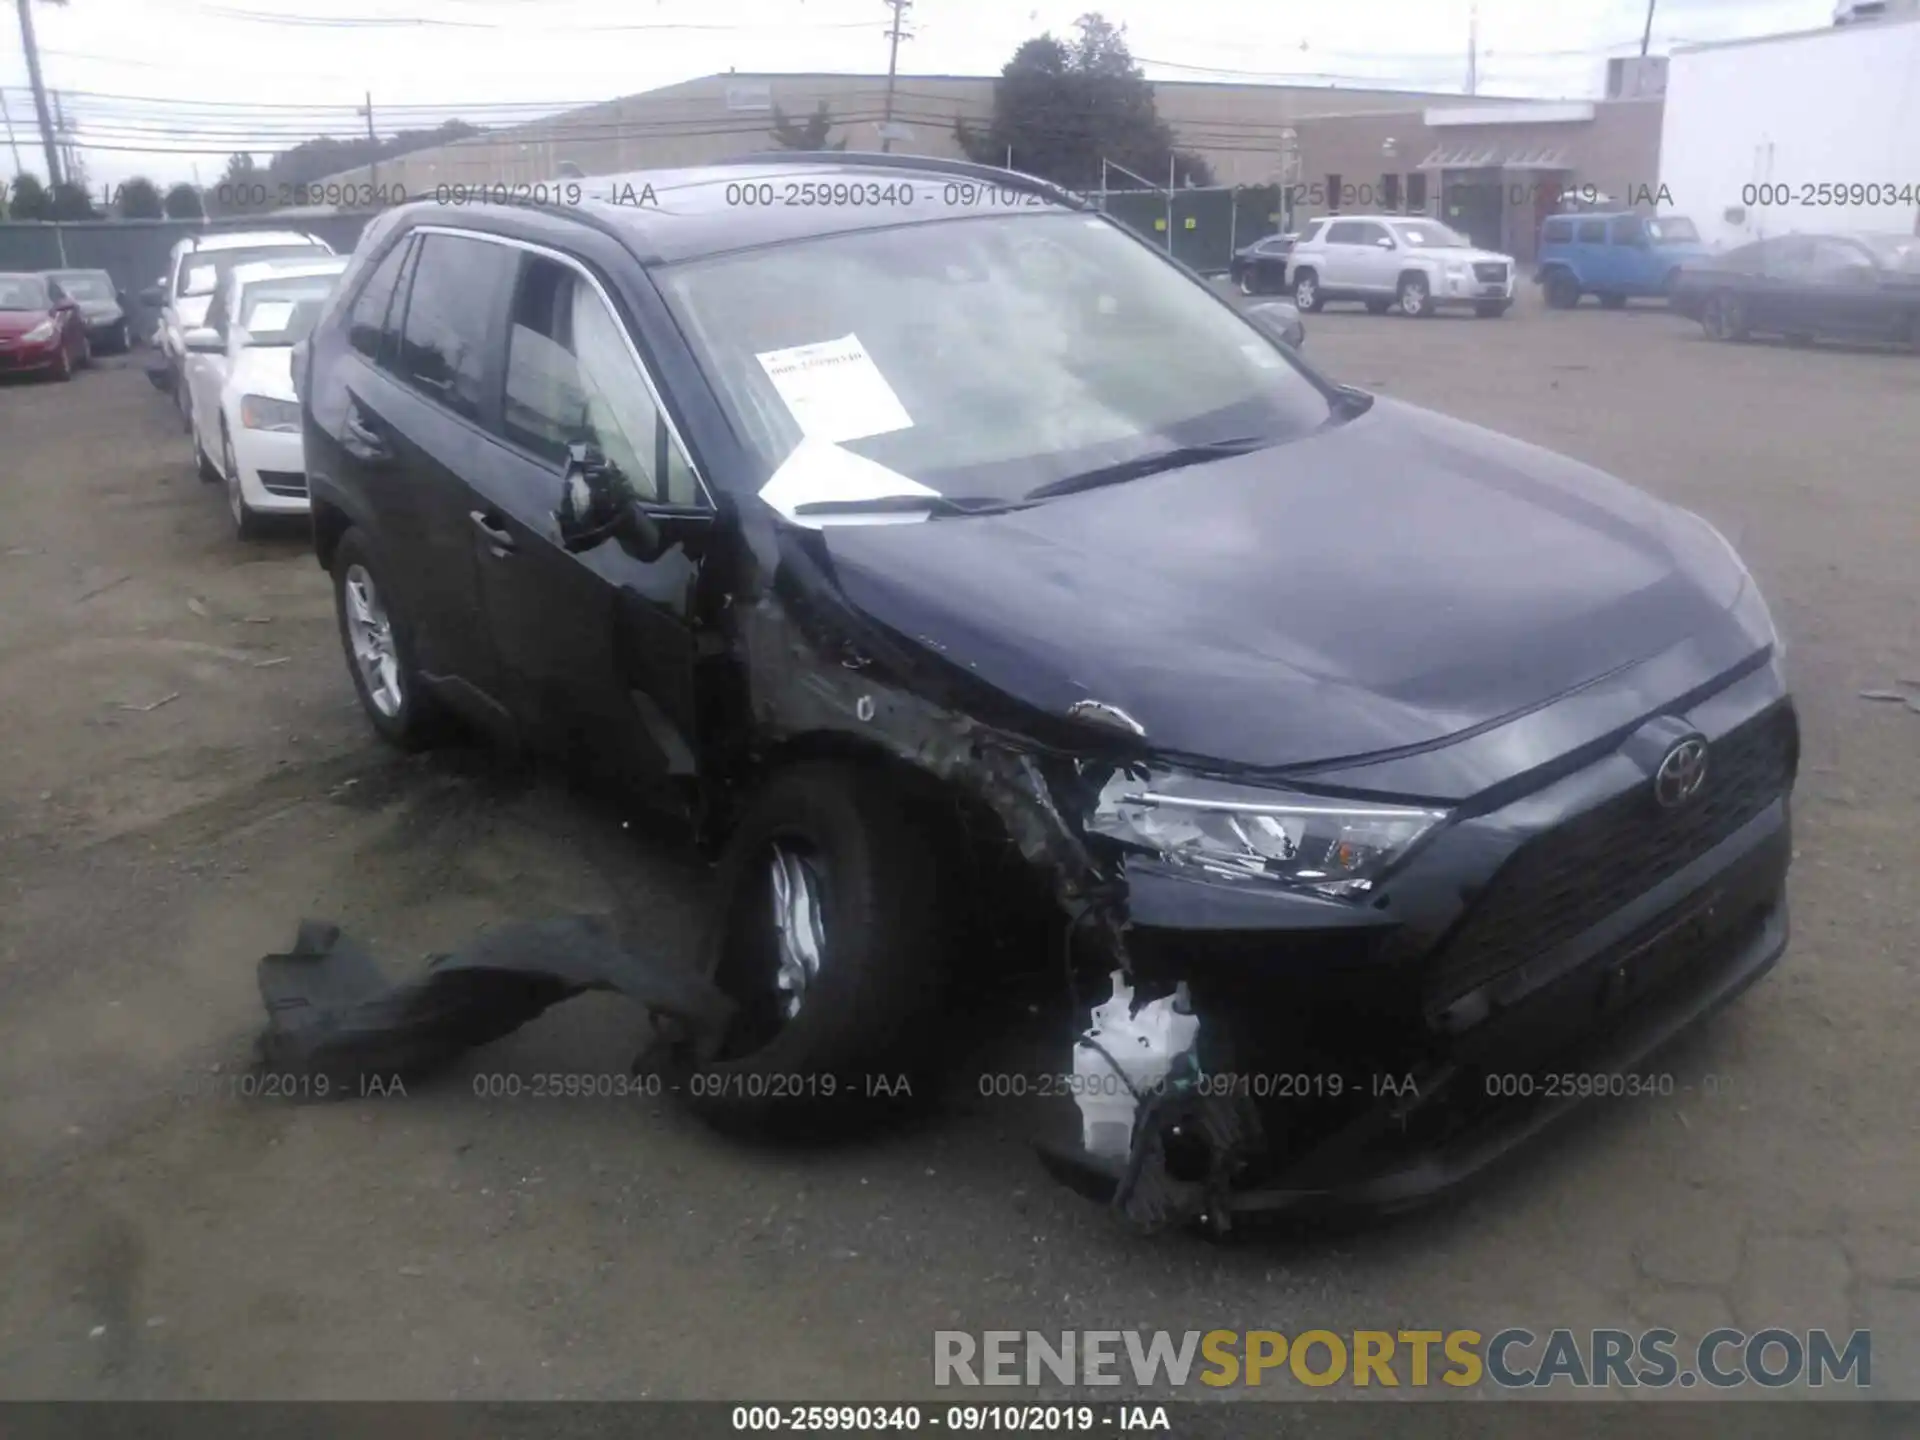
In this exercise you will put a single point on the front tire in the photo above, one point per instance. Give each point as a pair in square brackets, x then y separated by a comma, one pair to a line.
[247, 522]
[826, 932]
[1306, 293]
[379, 648]
[1416, 299]
[1563, 291]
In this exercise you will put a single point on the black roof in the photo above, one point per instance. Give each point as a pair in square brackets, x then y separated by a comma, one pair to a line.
[668, 215]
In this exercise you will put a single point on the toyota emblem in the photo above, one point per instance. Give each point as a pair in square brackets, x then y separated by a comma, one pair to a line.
[1683, 770]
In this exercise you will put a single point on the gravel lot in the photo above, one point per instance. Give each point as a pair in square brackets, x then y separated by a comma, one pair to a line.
[163, 1238]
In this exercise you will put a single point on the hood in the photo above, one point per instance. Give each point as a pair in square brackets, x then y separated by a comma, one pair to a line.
[17, 322]
[263, 370]
[1389, 582]
[1464, 254]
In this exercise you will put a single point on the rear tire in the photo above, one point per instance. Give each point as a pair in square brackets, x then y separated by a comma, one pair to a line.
[1306, 293]
[1724, 318]
[798, 1055]
[379, 649]
[1249, 282]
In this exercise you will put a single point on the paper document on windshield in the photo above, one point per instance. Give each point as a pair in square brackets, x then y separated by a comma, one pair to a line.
[817, 471]
[834, 390]
[270, 315]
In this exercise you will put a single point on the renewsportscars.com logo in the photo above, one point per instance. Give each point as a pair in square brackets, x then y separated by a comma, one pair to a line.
[1510, 1359]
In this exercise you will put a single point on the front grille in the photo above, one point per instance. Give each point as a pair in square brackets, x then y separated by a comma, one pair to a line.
[1567, 880]
[290, 483]
[1490, 272]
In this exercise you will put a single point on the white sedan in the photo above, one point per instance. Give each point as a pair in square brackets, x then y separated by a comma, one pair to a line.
[242, 411]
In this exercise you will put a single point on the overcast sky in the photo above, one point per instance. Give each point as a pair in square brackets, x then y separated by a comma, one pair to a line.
[155, 87]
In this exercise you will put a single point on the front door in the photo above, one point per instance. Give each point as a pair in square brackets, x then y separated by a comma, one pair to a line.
[597, 646]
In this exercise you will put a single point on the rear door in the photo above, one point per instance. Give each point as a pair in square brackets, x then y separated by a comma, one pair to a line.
[1339, 269]
[1376, 265]
[596, 647]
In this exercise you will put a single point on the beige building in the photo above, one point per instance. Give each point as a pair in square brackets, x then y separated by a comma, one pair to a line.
[1493, 172]
[1241, 130]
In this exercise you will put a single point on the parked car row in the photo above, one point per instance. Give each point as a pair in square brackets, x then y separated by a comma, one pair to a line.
[232, 307]
[54, 322]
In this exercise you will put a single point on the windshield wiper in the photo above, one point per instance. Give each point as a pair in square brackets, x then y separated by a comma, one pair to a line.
[1155, 463]
[910, 504]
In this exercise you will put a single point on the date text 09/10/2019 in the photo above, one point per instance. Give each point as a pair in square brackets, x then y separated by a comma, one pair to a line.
[958, 1419]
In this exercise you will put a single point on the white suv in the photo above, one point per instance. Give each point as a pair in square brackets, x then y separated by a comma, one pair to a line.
[1407, 260]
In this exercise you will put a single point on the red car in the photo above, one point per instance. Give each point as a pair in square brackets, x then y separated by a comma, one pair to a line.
[41, 327]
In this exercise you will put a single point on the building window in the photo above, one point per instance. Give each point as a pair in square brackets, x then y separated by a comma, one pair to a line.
[1333, 192]
[1389, 192]
[1417, 194]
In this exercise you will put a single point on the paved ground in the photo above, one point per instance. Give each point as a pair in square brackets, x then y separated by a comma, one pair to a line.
[162, 1238]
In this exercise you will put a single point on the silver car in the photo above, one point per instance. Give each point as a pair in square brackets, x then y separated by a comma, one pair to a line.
[1405, 260]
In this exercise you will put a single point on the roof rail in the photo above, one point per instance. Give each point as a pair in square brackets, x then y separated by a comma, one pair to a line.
[882, 160]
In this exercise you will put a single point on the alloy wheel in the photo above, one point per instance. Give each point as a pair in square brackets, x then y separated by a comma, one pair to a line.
[1413, 297]
[370, 634]
[1303, 293]
[799, 924]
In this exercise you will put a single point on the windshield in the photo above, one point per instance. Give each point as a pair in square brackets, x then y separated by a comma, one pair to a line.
[985, 356]
[85, 284]
[208, 273]
[23, 292]
[282, 311]
[1431, 235]
[1672, 229]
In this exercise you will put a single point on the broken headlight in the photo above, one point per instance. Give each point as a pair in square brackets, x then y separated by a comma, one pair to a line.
[1335, 846]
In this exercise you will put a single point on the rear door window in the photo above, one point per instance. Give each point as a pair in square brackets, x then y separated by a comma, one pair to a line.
[459, 286]
[1557, 232]
[1346, 232]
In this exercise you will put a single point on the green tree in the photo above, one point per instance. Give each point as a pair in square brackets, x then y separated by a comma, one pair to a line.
[1061, 108]
[30, 200]
[808, 134]
[72, 202]
[140, 200]
[183, 203]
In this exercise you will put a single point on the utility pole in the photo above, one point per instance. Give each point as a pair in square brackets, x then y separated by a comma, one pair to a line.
[12, 143]
[895, 34]
[1646, 35]
[373, 152]
[1473, 51]
[39, 93]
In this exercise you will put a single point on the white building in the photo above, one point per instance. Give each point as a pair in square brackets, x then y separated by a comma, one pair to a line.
[1818, 130]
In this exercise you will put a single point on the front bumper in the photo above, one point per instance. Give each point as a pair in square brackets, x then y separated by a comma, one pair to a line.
[19, 358]
[272, 469]
[1473, 288]
[1372, 1057]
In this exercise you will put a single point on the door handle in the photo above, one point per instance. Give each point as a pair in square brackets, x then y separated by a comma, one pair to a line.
[497, 535]
[364, 443]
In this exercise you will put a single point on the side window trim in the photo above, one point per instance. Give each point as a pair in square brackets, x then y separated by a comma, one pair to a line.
[395, 319]
[559, 257]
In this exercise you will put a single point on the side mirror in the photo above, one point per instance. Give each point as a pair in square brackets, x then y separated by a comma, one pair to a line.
[201, 340]
[594, 508]
[153, 295]
[1385, 242]
[1280, 320]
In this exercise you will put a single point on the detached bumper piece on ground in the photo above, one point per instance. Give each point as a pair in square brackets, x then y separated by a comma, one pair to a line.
[335, 1020]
